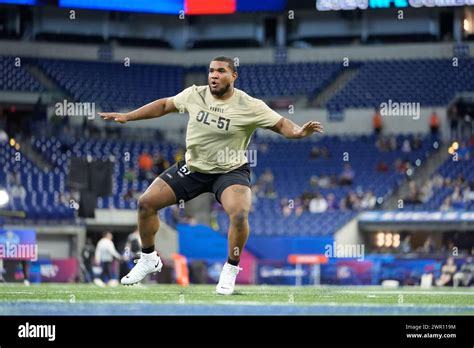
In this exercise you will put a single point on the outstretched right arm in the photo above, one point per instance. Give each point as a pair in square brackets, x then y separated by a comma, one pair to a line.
[154, 109]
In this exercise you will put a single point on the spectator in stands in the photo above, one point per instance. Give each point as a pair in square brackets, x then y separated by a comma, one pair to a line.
[306, 198]
[447, 204]
[288, 206]
[457, 198]
[350, 202]
[313, 181]
[392, 143]
[426, 190]
[463, 152]
[406, 146]
[377, 122]
[347, 175]
[382, 167]
[405, 245]
[133, 246]
[467, 194]
[285, 206]
[87, 255]
[315, 152]
[447, 273]
[386, 144]
[332, 202]
[417, 142]
[325, 181]
[318, 204]
[266, 184]
[434, 123]
[452, 114]
[465, 274]
[66, 137]
[401, 166]
[428, 246]
[161, 164]
[145, 165]
[414, 196]
[179, 154]
[130, 175]
[325, 152]
[105, 253]
[3, 136]
[437, 180]
[466, 126]
[368, 201]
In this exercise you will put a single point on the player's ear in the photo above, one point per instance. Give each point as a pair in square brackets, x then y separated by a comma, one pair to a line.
[235, 75]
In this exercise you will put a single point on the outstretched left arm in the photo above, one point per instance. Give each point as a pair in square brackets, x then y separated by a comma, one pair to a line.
[291, 130]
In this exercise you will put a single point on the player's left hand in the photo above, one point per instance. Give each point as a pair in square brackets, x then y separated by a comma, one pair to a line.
[309, 128]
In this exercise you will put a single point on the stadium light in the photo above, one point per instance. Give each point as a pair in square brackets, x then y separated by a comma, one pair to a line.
[467, 25]
[4, 198]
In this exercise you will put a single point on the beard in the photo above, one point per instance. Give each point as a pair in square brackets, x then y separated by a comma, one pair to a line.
[219, 92]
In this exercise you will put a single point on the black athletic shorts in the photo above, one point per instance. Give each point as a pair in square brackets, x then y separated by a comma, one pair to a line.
[187, 185]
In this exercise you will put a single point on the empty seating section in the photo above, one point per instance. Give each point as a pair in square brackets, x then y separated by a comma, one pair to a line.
[42, 200]
[279, 80]
[430, 82]
[17, 78]
[114, 86]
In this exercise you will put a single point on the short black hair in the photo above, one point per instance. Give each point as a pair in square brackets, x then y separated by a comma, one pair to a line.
[228, 60]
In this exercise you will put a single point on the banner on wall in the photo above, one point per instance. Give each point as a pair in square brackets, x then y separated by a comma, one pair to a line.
[18, 244]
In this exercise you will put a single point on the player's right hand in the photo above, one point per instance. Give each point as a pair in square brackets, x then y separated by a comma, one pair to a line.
[116, 116]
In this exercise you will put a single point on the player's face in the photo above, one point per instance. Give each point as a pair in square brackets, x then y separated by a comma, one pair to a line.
[221, 78]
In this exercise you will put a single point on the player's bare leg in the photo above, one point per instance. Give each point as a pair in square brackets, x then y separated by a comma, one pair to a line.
[158, 195]
[236, 200]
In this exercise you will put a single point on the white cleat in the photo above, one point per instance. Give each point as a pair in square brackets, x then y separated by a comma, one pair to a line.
[227, 279]
[145, 265]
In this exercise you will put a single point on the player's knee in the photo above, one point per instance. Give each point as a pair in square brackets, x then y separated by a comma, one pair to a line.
[239, 218]
[145, 206]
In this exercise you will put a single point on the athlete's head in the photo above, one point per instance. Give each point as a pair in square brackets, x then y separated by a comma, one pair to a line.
[222, 74]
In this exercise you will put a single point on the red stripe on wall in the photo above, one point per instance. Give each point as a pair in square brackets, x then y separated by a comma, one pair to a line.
[202, 7]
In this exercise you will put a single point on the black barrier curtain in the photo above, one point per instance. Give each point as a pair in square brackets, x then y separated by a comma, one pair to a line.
[95, 176]
[100, 178]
